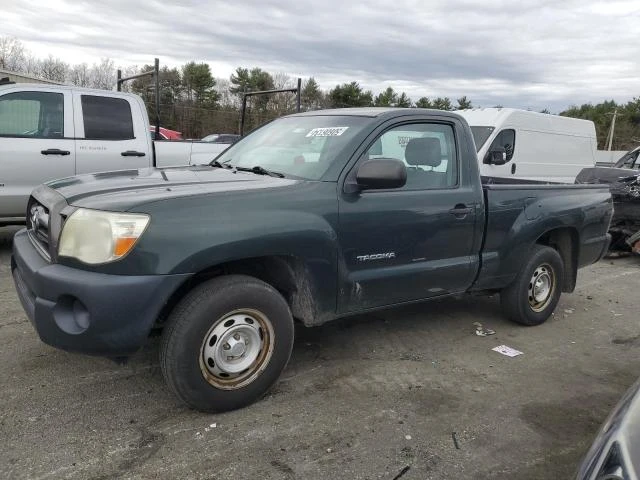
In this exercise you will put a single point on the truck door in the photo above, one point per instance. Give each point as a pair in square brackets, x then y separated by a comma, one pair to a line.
[416, 241]
[109, 133]
[36, 144]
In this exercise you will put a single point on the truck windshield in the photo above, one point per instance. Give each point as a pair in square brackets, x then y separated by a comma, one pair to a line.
[302, 147]
[480, 135]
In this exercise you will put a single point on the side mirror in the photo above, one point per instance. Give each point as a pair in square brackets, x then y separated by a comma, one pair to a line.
[381, 173]
[496, 156]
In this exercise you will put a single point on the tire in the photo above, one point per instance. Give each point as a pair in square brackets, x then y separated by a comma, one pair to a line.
[524, 301]
[214, 331]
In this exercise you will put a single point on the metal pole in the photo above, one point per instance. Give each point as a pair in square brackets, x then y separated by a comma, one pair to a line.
[298, 92]
[613, 127]
[119, 81]
[156, 73]
[244, 109]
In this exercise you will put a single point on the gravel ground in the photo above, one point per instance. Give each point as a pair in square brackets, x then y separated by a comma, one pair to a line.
[410, 392]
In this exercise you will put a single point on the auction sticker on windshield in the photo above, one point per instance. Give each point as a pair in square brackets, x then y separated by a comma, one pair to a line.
[327, 132]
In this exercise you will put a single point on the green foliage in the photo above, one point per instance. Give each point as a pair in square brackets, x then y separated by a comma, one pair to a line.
[442, 103]
[424, 102]
[627, 130]
[350, 95]
[464, 103]
[390, 98]
[311, 97]
[256, 79]
[199, 84]
[387, 98]
[403, 101]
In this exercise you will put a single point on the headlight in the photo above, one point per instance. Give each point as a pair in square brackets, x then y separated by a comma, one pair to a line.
[94, 236]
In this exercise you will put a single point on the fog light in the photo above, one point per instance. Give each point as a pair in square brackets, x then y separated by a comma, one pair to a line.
[70, 315]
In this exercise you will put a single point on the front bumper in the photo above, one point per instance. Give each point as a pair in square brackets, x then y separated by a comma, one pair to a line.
[87, 312]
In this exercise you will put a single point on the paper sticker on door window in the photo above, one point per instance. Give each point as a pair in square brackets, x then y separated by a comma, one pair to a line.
[402, 141]
[327, 132]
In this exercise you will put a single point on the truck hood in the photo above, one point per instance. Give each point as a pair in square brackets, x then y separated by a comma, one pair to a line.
[125, 189]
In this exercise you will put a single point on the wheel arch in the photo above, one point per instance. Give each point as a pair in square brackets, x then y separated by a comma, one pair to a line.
[288, 274]
[566, 241]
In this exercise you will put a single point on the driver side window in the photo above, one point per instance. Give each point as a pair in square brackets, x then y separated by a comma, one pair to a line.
[507, 140]
[428, 151]
[32, 114]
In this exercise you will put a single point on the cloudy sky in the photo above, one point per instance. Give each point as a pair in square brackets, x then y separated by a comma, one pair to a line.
[528, 53]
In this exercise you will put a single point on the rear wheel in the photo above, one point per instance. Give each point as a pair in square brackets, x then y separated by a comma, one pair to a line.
[226, 343]
[535, 293]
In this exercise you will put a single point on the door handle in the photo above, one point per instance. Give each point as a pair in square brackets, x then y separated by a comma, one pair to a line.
[460, 211]
[513, 169]
[55, 151]
[132, 153]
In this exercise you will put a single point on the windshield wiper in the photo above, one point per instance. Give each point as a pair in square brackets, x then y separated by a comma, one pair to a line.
[216, 163]
[260, 171]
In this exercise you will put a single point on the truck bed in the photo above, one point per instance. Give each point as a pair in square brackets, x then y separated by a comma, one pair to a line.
[516, 213]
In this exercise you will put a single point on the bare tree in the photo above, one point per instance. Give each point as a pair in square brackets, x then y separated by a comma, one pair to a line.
[129, 72]
[103, 74]
[79, 75]
[12, 55]
[31, 65]
[225, 97]
[54, 69]
[282, 103]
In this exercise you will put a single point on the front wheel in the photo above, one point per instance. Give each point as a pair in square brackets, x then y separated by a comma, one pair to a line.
[226, 343]
[535, 292]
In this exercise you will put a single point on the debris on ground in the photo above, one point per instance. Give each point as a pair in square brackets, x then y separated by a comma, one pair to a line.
[481, 331]
[455, 440]
[402, 472]
[569, 310]
[508, 351]
[407, 437]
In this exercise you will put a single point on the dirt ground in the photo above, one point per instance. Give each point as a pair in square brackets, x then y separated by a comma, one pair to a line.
[407, 393]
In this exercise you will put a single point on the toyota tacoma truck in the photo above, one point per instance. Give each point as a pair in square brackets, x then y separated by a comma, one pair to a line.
[313, 217]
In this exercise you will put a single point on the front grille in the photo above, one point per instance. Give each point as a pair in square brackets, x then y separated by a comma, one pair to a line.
[38, 224]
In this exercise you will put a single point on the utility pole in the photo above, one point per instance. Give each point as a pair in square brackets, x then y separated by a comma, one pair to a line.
[611, 130]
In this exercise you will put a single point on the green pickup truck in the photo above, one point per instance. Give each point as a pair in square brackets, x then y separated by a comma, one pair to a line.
[313, 217]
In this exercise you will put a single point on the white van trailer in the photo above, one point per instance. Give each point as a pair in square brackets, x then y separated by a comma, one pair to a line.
[539, 146]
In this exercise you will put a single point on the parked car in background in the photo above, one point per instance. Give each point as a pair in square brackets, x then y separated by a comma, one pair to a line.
[314, 216]
[615, 452]
[165, 134]
[630, 160]
[624, 181]
[56, 131]
[222, 138]
[541, 147]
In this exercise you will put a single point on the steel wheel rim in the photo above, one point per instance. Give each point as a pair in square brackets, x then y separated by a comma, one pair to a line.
[542, 286]
[236, 349]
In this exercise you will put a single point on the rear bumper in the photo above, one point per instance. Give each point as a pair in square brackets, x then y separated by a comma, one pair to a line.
[87, 312]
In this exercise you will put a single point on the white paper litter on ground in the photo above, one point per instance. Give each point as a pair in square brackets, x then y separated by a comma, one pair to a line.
[508, 351]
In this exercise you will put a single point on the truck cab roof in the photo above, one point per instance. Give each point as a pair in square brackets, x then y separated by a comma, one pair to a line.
[62, 88]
